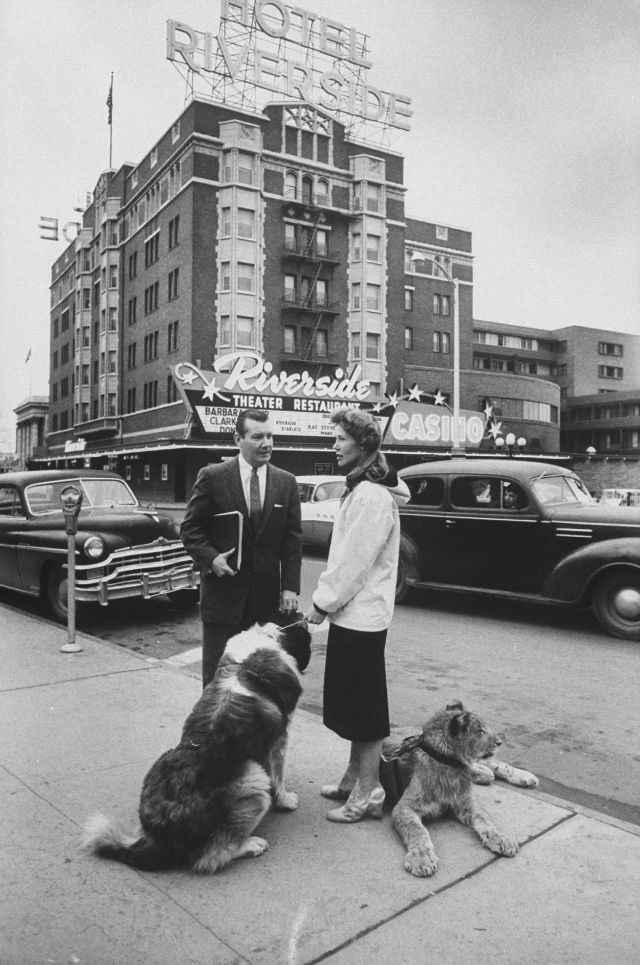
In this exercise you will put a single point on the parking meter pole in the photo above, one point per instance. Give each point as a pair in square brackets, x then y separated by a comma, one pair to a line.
[71, 499]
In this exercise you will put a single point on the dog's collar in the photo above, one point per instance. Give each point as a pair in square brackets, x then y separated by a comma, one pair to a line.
[440, 757]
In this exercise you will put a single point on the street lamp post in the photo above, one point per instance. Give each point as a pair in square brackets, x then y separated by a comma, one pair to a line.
[457, 446]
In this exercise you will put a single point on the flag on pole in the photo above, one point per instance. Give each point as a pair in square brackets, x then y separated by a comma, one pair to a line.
[110, 102]
[28, 356]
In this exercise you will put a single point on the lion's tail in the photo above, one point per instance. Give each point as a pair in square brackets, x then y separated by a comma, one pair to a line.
[107, 839]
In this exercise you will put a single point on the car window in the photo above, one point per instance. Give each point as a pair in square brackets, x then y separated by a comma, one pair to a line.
[10, 504]
[428, 491]
[332, 490]
[558, 490]
[475, 492]
[306, 491]
[482, 492]
[108, 492]
[45, 497]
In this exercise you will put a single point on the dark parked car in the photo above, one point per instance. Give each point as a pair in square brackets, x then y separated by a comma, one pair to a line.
[523, 530]
[122, 549]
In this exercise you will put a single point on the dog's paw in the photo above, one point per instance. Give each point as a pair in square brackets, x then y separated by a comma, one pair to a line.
[421, 864]
[481, 774]
[500, 844]
[516, 776]
[254, 846]
[285, 800]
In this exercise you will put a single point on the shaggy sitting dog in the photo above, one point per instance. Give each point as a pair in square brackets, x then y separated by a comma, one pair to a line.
[438, 768]
[201, 800]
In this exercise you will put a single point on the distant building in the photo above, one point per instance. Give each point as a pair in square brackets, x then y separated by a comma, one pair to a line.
[597, 372]
[31, 419]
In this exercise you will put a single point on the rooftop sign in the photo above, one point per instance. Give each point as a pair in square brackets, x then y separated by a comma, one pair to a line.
[292, 53]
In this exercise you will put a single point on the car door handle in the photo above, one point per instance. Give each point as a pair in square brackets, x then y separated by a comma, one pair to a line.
[449, 523]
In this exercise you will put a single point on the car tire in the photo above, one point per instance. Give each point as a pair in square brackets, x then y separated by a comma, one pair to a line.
[184, 599]
[55, 592]
[616, 601]
[407, 568]
[402, 586]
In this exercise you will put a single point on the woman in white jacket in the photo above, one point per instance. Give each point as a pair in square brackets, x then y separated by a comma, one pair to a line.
[356, 594]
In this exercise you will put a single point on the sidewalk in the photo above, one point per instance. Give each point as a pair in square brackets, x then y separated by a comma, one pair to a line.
[81, 730]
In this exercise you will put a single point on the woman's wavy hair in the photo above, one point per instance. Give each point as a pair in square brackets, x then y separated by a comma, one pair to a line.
[363, 428]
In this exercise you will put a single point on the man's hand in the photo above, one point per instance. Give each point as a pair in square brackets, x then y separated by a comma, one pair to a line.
[288, 601]
[220, 567]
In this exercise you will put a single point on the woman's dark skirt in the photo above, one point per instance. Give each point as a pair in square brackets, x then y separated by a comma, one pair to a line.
[355, 704]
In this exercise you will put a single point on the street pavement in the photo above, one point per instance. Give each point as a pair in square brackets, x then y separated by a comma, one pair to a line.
[79, 732]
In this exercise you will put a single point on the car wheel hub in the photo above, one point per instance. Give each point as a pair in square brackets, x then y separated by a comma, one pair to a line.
[627, 603]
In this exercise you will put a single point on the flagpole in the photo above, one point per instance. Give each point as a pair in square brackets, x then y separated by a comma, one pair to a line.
[110, 122]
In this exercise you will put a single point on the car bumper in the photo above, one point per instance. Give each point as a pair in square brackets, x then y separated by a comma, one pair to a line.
[145, 572]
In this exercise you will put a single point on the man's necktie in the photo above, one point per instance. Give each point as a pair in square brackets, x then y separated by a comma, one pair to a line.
[255, 505]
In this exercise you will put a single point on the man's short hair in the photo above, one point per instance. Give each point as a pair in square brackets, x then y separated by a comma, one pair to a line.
[258, 415]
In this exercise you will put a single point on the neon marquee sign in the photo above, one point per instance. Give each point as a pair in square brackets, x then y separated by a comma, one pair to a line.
[302, 56]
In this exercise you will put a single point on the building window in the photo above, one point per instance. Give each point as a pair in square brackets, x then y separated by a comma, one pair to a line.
[610, 372]
[146, 472]
[131, 400]
[374, 195]
[225, 222]
[133, 264]
[610, 348]
[172, 337]
[373, 297]
[175, 132]
[225, 330]
[373, 248]
[113, 276]
[113, 320]
[445, 343]
[151, 298]
[442, 233]
[408, 338]
[246, 223]
[246, 164]
[322, 343]
[151, 346]
[132, 308]
[355, 346]
[150, 395]
[408, 299]
[357, 246]
[289, 339]
[85, 374]
[112, 362]
[244, 332]
[86, 298]
[322, 294]
[172, 287]
[131, 355]
[174, 228]
[291, 185]
[322, 243]
[436, 342]
[225, 276]
[172, 389]
[441, 305]
[373, 346]
[246, 276]
[356, 296]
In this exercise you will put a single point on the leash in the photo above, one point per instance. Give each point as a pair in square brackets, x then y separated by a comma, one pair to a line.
[296, 623]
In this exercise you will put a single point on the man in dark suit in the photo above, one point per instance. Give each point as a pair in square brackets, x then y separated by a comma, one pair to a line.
[269, 574]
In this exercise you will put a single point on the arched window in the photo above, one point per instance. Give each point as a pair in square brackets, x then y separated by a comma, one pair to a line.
[291, 185]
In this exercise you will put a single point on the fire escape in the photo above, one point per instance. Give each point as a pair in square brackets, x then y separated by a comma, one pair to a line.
[310, 258]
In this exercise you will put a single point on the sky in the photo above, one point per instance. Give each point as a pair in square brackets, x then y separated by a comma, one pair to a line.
[526, 132]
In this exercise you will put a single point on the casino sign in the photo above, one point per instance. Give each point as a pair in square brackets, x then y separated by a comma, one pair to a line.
[300, 405]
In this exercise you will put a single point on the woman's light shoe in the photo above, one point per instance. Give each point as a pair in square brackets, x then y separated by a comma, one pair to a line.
[356, 810]
[334, 792]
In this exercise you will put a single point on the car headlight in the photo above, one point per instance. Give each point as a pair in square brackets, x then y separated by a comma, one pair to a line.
[93, 547]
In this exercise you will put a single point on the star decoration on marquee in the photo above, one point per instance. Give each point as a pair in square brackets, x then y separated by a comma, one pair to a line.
[378, 407]
[494, 430]
[393, 398]
[415, 395]
[488, 411]
[439, 398]
[189, 376]
[209, 390]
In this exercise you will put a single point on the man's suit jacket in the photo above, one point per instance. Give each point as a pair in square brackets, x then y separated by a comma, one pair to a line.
[271, 557]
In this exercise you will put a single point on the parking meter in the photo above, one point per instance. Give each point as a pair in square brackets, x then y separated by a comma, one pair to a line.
[71, 499]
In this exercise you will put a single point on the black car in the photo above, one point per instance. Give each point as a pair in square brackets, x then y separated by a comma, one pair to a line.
[122, 549]
[523, 530]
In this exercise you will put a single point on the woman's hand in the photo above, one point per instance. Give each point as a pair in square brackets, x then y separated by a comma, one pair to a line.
[314, 616]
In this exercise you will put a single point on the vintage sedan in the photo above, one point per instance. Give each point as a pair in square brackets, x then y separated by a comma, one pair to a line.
[523, 530]
[121, 548]
[319, 503]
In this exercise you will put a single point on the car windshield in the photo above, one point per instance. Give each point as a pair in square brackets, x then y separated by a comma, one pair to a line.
[559, 490]
[44, 497]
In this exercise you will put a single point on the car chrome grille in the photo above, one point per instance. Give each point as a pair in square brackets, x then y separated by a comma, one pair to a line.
[574, 532]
